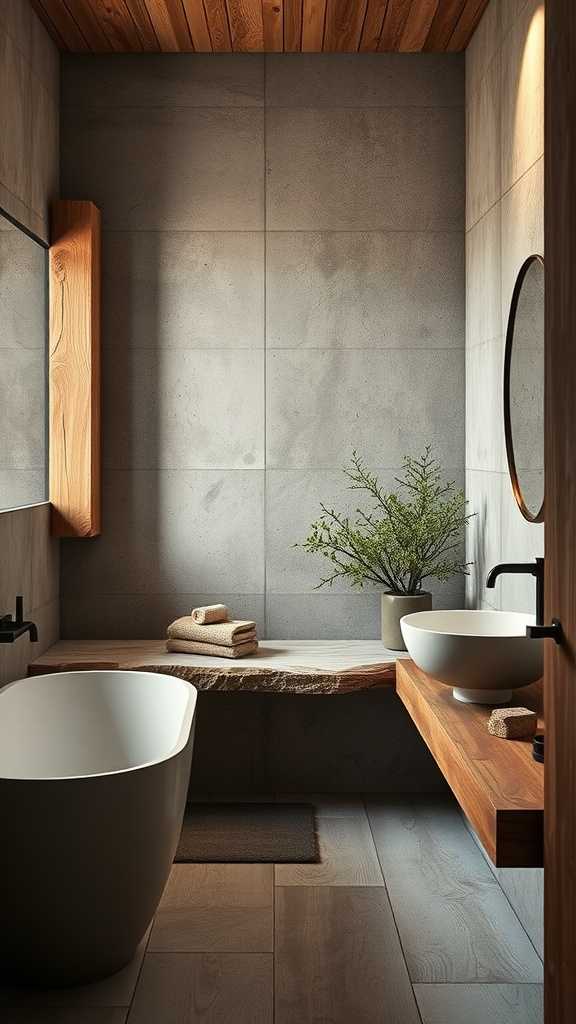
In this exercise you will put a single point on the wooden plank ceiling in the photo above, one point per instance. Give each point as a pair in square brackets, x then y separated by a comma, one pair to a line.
[255, 26]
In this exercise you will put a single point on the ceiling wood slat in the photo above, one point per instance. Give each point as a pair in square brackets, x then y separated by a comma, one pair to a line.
[313, 19]
[246, 27]
[86, 17]
[48, 25]
[117, 23]
[417, 27]
[256, 26]
[344, 21]
[144, 27]
[373, 22]
[198, 25]
[292, 26]
[170, 25]
[58, 15]
[466, 25]
[217, 17]
[443, 23]
[273, 18]
[394, 21]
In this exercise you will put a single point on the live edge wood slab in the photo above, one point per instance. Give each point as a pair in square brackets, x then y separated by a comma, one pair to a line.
[496, 782]
[279, 666]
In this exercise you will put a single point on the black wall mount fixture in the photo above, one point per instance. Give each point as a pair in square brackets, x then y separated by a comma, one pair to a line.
[13, 626]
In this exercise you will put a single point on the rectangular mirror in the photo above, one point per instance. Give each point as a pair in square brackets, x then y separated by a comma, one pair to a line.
[23, 367]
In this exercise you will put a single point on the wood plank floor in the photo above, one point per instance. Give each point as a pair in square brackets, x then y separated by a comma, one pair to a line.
[402, 922]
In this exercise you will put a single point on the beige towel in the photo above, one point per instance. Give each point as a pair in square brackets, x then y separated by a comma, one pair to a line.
[215, 650]
[210, 613]
[226, 633]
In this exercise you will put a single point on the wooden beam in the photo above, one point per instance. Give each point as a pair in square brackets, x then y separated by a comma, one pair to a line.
[313, 18]
[74, 369]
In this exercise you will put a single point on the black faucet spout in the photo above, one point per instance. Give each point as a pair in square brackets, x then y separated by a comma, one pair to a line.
[535, 568]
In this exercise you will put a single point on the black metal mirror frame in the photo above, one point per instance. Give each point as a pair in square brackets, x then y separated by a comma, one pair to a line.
[530, 516]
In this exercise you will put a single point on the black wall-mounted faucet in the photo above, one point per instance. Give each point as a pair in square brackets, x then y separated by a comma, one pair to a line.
[536, 569]
[11, 627]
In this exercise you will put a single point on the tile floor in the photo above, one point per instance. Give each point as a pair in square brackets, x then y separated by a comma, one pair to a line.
[402, 923]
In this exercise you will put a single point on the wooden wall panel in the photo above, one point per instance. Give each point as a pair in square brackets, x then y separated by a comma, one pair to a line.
[74, 369]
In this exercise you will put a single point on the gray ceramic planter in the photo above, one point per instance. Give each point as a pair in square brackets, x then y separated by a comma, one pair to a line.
[394, 606]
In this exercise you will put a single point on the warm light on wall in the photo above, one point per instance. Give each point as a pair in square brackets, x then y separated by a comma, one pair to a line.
[528, 115]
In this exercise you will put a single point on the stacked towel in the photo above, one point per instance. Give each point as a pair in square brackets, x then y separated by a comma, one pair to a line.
[233, 638]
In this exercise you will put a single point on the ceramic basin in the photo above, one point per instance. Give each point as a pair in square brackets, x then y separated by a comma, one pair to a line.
[483, 655]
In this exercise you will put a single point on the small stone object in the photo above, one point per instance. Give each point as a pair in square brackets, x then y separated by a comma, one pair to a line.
[512, 723]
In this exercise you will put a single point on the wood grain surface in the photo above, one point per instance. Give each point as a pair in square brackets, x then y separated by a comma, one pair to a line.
[255, 26]
[496, 782]
[74, 369]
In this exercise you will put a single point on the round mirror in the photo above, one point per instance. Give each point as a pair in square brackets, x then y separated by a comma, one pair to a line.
[524, 390]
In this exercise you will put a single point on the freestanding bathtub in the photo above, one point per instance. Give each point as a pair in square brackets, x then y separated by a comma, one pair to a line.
[94, 770]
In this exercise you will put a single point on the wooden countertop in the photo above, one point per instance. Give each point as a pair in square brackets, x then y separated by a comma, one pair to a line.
[496, 782]
[279, 666]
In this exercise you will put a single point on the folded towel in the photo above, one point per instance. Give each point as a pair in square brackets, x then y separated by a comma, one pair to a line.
[225, 633]
[210, 613]
[215, 650]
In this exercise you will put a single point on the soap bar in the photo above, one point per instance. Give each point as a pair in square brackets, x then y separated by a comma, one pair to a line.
[512, 723]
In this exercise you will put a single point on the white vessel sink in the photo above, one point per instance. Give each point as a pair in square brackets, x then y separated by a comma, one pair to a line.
[483, 655]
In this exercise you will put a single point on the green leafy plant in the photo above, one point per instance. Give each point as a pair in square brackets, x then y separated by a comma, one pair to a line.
[406, 536]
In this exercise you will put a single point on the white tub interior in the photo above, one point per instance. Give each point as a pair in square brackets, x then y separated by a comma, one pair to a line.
[73, 724]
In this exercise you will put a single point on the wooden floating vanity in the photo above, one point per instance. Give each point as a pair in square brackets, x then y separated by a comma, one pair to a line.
[496, 782]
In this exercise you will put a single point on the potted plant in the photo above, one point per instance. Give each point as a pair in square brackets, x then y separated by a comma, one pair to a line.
[403, 539]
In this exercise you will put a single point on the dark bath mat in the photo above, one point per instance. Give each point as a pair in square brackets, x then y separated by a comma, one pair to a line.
[247, 833]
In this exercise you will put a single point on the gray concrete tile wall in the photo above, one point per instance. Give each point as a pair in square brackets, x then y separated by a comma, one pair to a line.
[505, 215]
[29, 91]
[283, 280]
